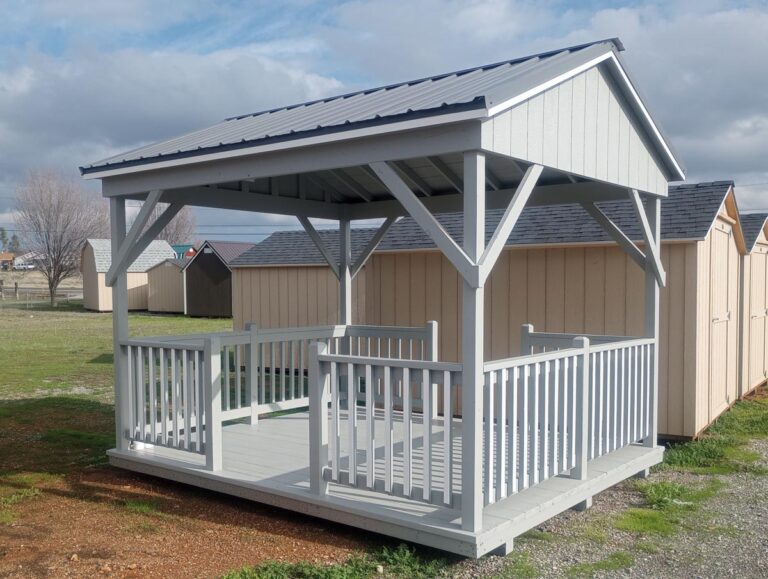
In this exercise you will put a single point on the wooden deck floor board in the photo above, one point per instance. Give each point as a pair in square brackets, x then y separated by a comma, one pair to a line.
[269, 462]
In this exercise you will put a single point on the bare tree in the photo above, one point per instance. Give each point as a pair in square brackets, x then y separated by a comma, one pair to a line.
[182, 227]
[55, 216]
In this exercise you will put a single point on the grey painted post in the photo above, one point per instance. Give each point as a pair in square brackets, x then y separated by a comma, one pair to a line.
[430, 353]
[319, 396]
[526, 348]
[582, 411]
[472, 347]
[212, 393]
[345, 273]
[252, 371]
[120, 329]
[652, 319]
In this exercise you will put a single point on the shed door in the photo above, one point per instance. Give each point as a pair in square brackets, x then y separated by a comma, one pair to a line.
[721, 320]
[757, 312]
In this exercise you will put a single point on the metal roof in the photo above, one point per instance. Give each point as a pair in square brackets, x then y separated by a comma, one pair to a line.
[752, 224]
[470, 89]
[156, 252]
[687, 213]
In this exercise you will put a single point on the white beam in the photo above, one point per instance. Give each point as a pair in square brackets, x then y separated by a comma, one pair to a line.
[652, 319]
[372, 245]
[119, 265]
[615, 233]
[315, 237]
[446, 172]
[345, 273]
[351, 184]
[150, 234]
[508, 220]
[413, 177]
[654, 254]
[472, 348]
[120, 330]
[221, 198]
[466, 267]
[586, 191]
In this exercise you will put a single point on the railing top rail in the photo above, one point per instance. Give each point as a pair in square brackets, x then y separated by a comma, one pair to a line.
[386, 331]
[192, 345]
[592, 337]
[518, 361]
[391, 362]
[623, 344]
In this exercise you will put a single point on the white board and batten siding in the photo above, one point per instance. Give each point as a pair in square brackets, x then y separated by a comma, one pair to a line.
[583, 126]
[291, 296]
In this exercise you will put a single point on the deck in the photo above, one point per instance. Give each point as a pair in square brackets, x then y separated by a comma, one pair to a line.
[269, 463]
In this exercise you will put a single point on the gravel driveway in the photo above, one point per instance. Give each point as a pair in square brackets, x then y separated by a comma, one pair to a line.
[727, 537]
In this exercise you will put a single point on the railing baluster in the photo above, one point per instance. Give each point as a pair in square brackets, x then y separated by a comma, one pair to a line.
[388, 447]
[501, 434]
[488, 403]
[351, 424]
[426, 420]
[335, 441]
[407, 432]
[514, 425]
[142, 395]
[564, 401]
[556, 427]
[447, 440]
[163, 399]
[176, 397]
[370, 422]
[272, 373]
[238, 377]
[525, 437]
[292, 352]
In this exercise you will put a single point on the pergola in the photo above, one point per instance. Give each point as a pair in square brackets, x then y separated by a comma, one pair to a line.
[560, 127]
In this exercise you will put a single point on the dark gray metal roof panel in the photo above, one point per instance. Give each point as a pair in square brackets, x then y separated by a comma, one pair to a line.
[687, 213]
[752, 224]
[466, 89]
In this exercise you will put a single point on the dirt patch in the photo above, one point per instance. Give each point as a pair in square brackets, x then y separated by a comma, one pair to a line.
[110, 522]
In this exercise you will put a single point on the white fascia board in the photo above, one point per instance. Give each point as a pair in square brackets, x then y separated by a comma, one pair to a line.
[479, 113]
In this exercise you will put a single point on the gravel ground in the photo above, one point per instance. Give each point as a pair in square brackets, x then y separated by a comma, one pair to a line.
[728, 537]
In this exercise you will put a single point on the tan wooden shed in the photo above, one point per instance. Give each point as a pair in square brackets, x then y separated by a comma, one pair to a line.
[95, 260]
[754, 299]
[559, 272]
[165, 291]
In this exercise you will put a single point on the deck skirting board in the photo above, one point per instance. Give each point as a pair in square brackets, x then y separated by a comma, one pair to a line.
[503, 521]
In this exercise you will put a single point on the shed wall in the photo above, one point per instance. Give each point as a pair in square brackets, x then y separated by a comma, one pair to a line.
[166, 288]
[91, 281]
[283, 297]
[582, 126]
[596, 290]
[754, 320]
[209, 287]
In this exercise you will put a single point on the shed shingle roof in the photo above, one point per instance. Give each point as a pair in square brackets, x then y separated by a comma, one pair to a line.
[156, 252]
[470, 89]
[752, 224]
[228, 251]
[687, 213]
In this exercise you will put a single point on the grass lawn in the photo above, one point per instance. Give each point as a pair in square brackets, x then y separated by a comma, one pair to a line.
[57, 494]
[67, 351]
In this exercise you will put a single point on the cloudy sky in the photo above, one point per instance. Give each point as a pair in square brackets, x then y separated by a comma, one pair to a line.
[83, 79]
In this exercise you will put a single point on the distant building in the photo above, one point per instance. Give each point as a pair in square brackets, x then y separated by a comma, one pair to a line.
[184, 251]
[96, 259]
[27, 260]
[6, 260]
[208, 279]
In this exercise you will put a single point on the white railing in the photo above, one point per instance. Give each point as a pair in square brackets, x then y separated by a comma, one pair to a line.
[397, 434]
[540, 420]
[171, 392]
[536, 342]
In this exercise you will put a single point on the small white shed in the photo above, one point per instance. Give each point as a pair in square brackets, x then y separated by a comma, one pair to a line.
[95, 260]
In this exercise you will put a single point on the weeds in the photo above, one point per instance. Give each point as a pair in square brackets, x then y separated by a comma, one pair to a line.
[613, 562]
[142, 507]
[518, 567]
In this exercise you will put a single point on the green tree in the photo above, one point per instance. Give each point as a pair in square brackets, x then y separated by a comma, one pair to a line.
[3, 239]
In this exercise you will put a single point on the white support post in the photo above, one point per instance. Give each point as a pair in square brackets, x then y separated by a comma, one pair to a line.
[345, 273]
[212, 399]
[526, 348]
[120, 329]
[652, 316]
[252, 371]
[319, 397]
[581, 427]
[472, 347]
[430, 353]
